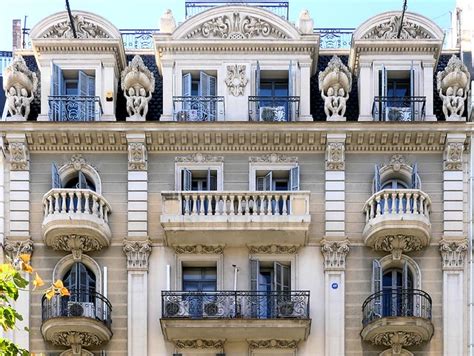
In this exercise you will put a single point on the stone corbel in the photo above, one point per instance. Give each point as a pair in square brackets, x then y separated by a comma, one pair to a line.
[453, 253]
[137, 254]
[335, 253]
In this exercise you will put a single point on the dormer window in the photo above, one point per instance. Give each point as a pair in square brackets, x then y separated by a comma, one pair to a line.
[73, 95]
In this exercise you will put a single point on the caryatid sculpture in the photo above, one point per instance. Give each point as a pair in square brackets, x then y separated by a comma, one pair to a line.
[20, 85]
[453, 87]
[335, 83]
[138, 83]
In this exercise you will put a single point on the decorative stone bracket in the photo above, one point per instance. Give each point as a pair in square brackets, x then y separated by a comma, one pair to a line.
[453, 156]
[236, 80]
[14, 248]
[335, 253]
[137, 156]
[398, 244]
[335, 156]
[137, 254]
[453, 253]
[19, 156]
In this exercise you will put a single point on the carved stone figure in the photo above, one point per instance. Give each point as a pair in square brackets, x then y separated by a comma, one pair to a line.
[20, 85]
[335, 83]
[236, 80]
[305, 23]
[167, 22]
[453, 87]
[138, 83]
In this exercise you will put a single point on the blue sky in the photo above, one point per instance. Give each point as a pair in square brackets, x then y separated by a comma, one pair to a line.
[146, 13]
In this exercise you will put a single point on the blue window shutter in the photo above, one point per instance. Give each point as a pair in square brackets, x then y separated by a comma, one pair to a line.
[414, 177]
[187, 180]
[55, 177]
[295, 178]
[376, 276]
[82, 181]
[204, 89]
[186, 85]
[254, 273]
[257, 79]
[377, 183]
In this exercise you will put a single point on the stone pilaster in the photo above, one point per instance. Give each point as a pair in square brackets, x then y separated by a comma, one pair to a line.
[453, 246]
[334, 253]
[137, 252]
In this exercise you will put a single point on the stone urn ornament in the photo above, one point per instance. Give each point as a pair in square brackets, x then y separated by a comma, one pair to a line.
[20, 85]
[138, 84]
[453, 88]
[335, 84]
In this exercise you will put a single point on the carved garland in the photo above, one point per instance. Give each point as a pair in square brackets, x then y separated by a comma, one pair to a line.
[203, 344]
[273, 344]
[273, 249]
[236, 26]
[199, 249]
[69, 338]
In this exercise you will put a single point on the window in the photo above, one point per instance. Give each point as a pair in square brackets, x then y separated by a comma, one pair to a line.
[277, 180]
[405, 178]
[200, 282]
[76, 181]
[72, 95]
[199, 91]
[199, 180]
[81, 282]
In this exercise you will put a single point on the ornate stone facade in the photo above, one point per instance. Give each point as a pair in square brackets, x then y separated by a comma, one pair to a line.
[397, 340]
[137, 156]
[199, 249]
[453, 87]
[335, 156]
[453, 156]
[335, 83]
[273, 344]
[200, 344]
[453, 253]
[334, 253]
[14, 248]
[236, 79]
[19, 156]
[73, 338]
[273, 249]
[273, 158]
[236, 26]
[20, 85]
[137, 254]
[138, 84]
[76, 244]
[85, 29]
[388, 30]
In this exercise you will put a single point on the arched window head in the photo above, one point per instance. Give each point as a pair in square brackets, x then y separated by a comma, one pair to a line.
[83, 274]
[76, 174]
[397, 174]
[401, 272]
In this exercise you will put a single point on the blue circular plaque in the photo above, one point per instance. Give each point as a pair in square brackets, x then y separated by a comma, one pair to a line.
[334, 286]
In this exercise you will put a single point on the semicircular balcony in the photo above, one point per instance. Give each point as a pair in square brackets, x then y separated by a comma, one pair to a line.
[76, 219]
[397, 220]
[81, 319]
[397, 318]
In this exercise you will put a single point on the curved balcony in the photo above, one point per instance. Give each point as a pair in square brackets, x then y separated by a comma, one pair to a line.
[235, 315]
[235, 218]
[76, 220]
[83, 318]
[397, 318]
[397, 221]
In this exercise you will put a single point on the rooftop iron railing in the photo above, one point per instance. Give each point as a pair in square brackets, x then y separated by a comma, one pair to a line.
[273, 108]
[74, 108]
[406, 108]
[198, 108]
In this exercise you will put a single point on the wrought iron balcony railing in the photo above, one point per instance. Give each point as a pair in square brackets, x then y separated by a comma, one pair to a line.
[406, 108]
[274, 108]
[74, 108]
[334, 37]
[81, 303]
[396, 303]
[198, 108]
[235, 305]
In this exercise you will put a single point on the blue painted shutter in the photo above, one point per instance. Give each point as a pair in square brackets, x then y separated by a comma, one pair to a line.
[55, 178]
[82, 181]
[415, 182]
[295, 178]
[254, 273]
[187, 180]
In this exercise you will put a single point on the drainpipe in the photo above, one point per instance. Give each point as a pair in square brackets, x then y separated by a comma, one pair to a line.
[470, 237]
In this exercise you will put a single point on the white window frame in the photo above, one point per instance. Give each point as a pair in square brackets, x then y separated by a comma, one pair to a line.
[187, 67]
[398, 64]
[217, 166]
[218, 259]
[254, 167]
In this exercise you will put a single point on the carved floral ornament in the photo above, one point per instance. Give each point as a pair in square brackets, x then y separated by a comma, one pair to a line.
[236, 26]
[14, 248]
[76, 244]
[453, 88]
[138, 83]
[20, 85]
[335, 83]
[203, 344]
[200, 158]
[137, 156]
[453, 156]
[137, 254]
[85, 29]
[199, 249]
[398, 244]
[273, 344]
[388, 30]
[334, 253]
[397, 340]
[19, 156]
[273, 249]
[273, 158]
[236, 80]
[335, 156]
[453, 253]
[75, 339]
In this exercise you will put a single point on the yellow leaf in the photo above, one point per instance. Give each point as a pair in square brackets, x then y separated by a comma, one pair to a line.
[26, 267]
[37, 282]
[49, 293]
[64, 292]
[25, 257]
[58, 284]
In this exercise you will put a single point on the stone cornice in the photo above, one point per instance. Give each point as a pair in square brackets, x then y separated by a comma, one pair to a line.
[235, 137]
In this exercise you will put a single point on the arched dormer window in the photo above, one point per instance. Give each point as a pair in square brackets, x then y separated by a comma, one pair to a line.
[397, 174]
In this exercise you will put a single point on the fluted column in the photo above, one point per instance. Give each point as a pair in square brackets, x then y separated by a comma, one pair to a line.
[334, 253]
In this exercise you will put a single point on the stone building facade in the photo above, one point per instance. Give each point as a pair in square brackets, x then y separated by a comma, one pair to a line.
[237, 189]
